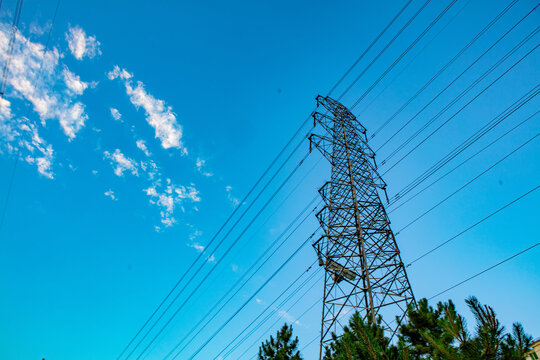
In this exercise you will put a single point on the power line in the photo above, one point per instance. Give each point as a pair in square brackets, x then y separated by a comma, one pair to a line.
[388, 44]
[468, 183]
[249, 299]
[212, 241]
[460, 164]
[404, 53]
[12, 177]
[462, 108]
[11, 45]
[445, 67]
[473, 225]
[270, 314]
[485, 52]
[216, 265]
[485, 270]
[412, 60]
[264, 254]
[241, 356]
[496, 121]
[369, 47]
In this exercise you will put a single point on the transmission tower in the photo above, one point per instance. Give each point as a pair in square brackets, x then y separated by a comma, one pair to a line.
[363, 267]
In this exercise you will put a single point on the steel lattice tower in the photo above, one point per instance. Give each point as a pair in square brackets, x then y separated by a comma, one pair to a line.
[363, 267]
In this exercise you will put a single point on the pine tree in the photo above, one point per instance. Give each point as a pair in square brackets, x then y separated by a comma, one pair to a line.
[280, 348]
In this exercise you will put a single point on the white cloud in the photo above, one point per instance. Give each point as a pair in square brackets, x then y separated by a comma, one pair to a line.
[110, 193]
[169, 197]
[73, 82]
[81, 45]
[234, 201]
[121, 163]
[158, 115]
[142, 145]
[200, 164]
[95, 172]
[288, 317]
[211, 258]
[116, 114]
[197, 247]
[22, 138]
[259, 301]
[34, 76]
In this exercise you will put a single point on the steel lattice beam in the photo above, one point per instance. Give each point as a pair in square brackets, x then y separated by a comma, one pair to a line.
[363, 267]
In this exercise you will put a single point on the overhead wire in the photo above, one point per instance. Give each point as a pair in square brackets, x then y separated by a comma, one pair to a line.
[12, 176]
[489, 126]
[472, 226]
[467, 184]
[218, 330]
[251, 271]
[444, 68]
[218, 261]
[301, 297]
[388, 44]
[271, 307]
[412, 60]
[457, 166]
[460, 109]
[377, 38]
[453, 81]
[404, 53]
[194, 274]
[485, 270]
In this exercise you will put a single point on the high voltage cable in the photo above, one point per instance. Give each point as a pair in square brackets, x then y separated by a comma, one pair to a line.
[404, 53]
[460, 164]
[485, 270]
[212, 241]
[460, 96]
[241, 356]
[271, 313]
[412, 60]
[467, 183]
[369, 47]
[445, 67]
[278, 207]
[272, 309]
[250, 298]
[388, 44]
[273, 162]
[497, 120]
[12, 177]
[11, 45]
[264, 254]
[473, 225]
[457, 112]
[218, 262]
[485, 52]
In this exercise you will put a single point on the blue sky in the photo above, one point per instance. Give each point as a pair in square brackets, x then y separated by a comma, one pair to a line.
[149, 122]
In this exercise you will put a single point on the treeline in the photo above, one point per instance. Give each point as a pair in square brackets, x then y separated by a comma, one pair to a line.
[428, 333]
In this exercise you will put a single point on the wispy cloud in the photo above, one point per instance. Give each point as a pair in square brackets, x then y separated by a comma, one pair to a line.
[116, 114]
[82, 45]
[142, 146]
[234, 201]
[158, 115]
[201, 164]
[35, 76]
[110, 193]
[73, 82]
[169, 197]
[121, 163]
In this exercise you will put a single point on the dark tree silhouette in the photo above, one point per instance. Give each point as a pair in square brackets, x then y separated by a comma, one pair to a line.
[283, 347]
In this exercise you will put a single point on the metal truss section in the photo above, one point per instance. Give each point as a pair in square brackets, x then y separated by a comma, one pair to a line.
[363, 267]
